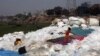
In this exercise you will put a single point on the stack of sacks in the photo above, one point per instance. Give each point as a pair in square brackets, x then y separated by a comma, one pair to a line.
[13, 36]
[84, 26]
[90, 45]
[93, 22]
[37, 49]
[77, 22]
[60, 22]
[82, 20]
[74, 21]
[1, 38]
[66, 21]
[55, 21]
[40, 35]
[8, 40]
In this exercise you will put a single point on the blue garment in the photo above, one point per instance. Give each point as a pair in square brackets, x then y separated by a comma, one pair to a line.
[8, 53]
[80, 31]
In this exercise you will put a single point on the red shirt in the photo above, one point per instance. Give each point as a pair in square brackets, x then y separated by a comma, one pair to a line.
[67, 33]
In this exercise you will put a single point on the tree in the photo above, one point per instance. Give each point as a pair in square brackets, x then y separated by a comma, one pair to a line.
[65, 12]
[20, 15]
[83, 9]
[29, 14]
[50, 12]
[58, 10]
[95, 9]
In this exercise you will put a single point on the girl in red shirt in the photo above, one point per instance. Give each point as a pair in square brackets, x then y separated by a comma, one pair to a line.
[67, 37]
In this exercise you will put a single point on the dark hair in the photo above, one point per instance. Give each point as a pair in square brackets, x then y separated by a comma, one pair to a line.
[15, 43]
[18, 39]
[69, 28]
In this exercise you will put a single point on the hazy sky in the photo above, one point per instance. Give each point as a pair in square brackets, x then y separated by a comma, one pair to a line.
[11, 7]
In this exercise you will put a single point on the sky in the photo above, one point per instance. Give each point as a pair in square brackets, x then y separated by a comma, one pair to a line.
[12, 7]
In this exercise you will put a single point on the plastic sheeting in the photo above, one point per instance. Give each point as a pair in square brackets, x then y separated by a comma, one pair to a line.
[8, 53]
[80, 31]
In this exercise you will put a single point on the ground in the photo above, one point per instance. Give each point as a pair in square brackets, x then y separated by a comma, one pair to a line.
[9, 28]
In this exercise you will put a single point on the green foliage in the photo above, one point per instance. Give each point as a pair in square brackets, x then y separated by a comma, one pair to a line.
[7, 28]
[57, 11]
[50, 12]
[86, 9]
[95, 9]
[21, 16]
[83, 9]
[29, 14]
